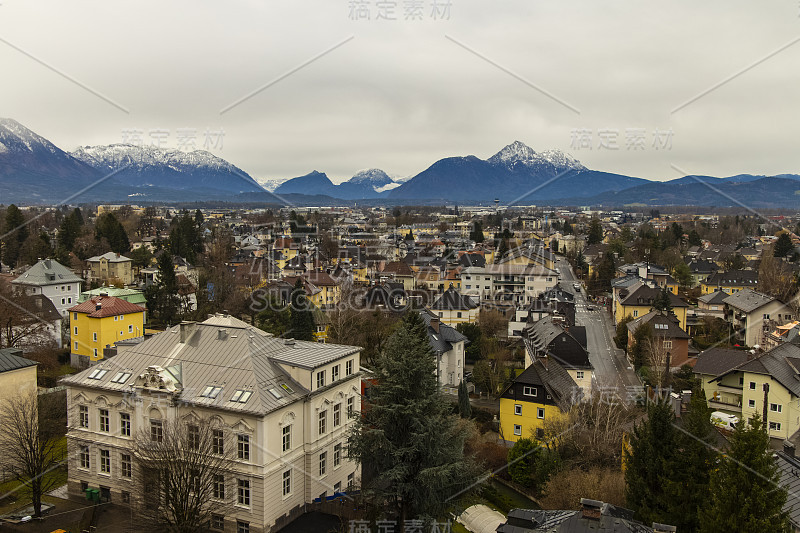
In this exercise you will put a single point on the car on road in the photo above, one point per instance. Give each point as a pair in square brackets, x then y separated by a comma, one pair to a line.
[577, 287]
[590, 308]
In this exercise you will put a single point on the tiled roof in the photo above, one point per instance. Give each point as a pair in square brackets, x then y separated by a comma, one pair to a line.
[717, 361]
[452, 300]
[645, 295]
[47, 272]
[737, 278]
[103, 306]
[442, 340]
[716, 297]
[747, 300]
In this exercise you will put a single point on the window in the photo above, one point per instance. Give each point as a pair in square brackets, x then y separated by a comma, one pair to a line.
[243, 447]
[243, 496]
[350, 403]
[218, 522]
[121, 377]
[776, 407]
[774, 426]
[752, 385]
[320, 379]
[130, 328]
[287, 482]
[242, 527]
[335, 373]
[217, 442]
[287, 388]
[668, 344]
[458, 314]
[85, 462]
[337, 415]
[635, 313]
[242, 396]
[348, 367]
[517, 409]
[105, 461]
[125, 463]
[76, 345]
[579, 374]
[323, 462]
[337, 487]
[83, 416]
[156, 431]
[116, 318]
[94, 336]
[287, 438]
[63, 301]
[211, 391]
[350, 481]
[194, 437]
[75, 317]
[95, 356]
[517, 429]
[337, 455]
[218, 486]
[751, 403]
[104, 420]
[540, 412]
[75, 329]
[323, 422]
[741, 381]
[529, 391]
[99, 373]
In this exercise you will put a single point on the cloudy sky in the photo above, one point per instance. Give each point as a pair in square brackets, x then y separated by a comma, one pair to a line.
[305, 84]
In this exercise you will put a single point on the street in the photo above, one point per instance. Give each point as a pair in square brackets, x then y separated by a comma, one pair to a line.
[611, 368]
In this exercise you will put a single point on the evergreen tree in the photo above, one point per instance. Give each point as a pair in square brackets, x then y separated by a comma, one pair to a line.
[501, 250]
[530, 464]
[406, 435]
[783, 246]
[162, 298]
[301, 317]
[595, 232]
[662, 302]
[410, 235]
[651, 451]
[691, 467]
[111, 229]
[477, 232]
[16, 232]
[606, 272]
[641, 337]
[745, 494]
[694, 238]
[464, 407]
[621, 336]
[69, 231]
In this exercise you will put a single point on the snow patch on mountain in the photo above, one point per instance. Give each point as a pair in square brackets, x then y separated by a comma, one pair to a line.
[371, 176]
[520, 153]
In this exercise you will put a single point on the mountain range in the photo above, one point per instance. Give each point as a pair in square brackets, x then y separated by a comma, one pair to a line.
[34, 170]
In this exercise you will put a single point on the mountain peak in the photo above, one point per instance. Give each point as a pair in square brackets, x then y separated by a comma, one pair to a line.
[374, 177]
[520, 153]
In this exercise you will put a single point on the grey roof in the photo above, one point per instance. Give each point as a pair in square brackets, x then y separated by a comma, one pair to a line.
[245, 358]
[442, 340]
[625, 281]
[554, 378]
[452, 300]
[734, 278]
[612, 519]
[716, 297]
[789, 469]
[748, 300]
[10, 360]
[645, 295]
[672, 330]
[717, 361]
[111, 257]
[782, 363]
[47, 272]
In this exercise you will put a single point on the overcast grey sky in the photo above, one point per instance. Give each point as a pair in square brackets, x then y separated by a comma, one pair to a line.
[403, 93]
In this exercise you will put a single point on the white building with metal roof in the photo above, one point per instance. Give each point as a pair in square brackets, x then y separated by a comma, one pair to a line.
[56, 282]
[286, 402]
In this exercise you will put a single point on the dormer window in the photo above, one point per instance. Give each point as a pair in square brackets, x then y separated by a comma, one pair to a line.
[241, 396]
[121, 377]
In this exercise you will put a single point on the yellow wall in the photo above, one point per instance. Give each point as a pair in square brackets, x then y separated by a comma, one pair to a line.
[730, 289]
[628, 310]
[108, 331]
[16, 382]
[451, 318]
[528, 419]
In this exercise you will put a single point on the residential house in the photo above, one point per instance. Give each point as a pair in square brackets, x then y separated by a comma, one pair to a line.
[672, 341]
[701, 270]
[638, 300]
[712, 303]
[753, 315]
[17, 374]
[730, 282]
[53, 280]
[544, 391]
[555, 340]
[284, 406]
[110, 268]
[100, 322]
[454, 308]
[448, 347]
[399, 271]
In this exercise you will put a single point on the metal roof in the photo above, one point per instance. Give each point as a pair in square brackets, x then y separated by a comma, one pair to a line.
[47, 272]
[220, 352]
[10, 360]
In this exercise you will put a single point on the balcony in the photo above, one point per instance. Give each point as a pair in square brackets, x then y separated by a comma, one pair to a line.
[725, 405]
[730, 389]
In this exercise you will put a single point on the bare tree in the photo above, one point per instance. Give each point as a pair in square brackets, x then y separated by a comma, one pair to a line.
[21, 322]
[657, 355]
[31, 433]
[181, 473]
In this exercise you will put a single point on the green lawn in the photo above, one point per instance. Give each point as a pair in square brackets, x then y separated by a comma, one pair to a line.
[57, 476]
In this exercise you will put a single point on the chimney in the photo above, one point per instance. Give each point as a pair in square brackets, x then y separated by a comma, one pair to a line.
[117, 255]
[222, 334]
[186, 330]
[47, 263]
[289, 342]
[663, 528]
[788, 448]
[435, 324]
[591, 509]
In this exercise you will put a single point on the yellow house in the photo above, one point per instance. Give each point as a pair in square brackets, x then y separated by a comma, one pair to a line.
[735, 385]
[544, 391]
[730, 282]
[110, 267]
[99, 323]
[639, 302]
[17, 374]
[529, 255]
[329, 290]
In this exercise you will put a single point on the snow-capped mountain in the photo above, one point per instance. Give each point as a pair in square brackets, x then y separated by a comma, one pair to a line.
[149, 166]
[518, 153]
[366, 184]
[373, 177]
